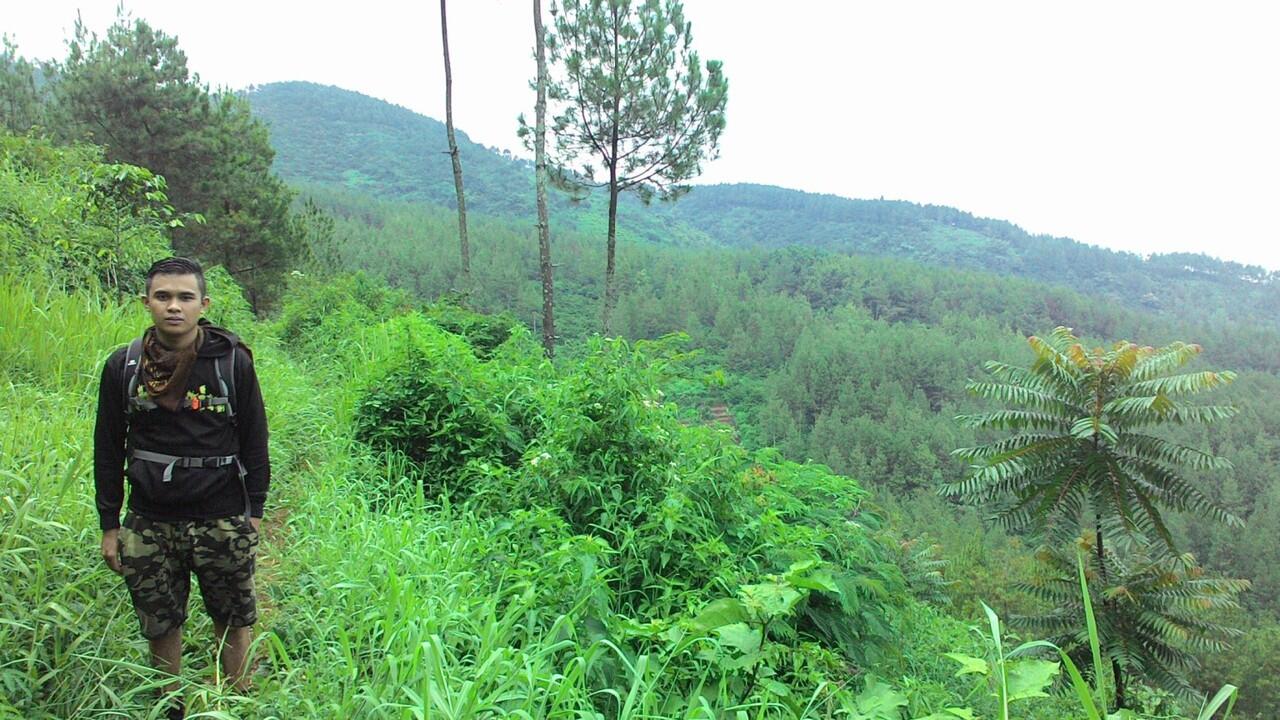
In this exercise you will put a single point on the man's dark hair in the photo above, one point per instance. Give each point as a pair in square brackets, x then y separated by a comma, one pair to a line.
[178, 266]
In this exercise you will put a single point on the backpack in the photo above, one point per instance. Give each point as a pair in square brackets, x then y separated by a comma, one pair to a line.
[136, 402]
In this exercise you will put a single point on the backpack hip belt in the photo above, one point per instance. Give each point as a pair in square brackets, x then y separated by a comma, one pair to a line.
[172, 461]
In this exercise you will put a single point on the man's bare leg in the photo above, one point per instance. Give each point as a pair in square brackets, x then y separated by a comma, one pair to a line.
[166, 656]
[233, 653]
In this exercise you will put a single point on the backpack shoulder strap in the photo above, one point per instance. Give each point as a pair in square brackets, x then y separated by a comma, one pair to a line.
[129, 374]
[227, 380]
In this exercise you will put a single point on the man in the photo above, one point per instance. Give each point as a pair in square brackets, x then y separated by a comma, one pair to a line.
[180, 415]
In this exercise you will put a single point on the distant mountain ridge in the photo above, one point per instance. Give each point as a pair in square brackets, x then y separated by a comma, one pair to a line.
[332, 136]
[328, 135]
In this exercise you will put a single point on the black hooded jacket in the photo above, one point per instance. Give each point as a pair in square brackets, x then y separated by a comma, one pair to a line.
[193, 493]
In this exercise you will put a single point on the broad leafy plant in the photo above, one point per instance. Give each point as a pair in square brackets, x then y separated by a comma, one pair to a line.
[1081, 421]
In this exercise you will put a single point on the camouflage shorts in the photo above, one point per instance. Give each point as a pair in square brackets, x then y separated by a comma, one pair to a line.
[159, 556]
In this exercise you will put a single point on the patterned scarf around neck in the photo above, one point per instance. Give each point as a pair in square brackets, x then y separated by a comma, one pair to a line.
[164, 372]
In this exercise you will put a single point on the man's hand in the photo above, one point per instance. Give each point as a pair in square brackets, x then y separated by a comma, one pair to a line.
[110, 552]
[255, 522]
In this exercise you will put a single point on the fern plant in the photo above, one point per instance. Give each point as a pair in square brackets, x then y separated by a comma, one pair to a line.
[1151, 617]
[1083, 452]
[1081, 421]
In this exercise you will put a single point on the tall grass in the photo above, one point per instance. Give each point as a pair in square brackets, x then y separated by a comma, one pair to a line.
[374, 604]
[403, 611]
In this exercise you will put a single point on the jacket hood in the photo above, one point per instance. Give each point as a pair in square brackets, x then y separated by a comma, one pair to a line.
[218, 341]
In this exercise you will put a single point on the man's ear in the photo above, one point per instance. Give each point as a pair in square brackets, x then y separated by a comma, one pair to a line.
[204, 303]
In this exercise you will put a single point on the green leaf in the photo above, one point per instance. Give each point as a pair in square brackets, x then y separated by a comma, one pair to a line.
[878, 701]
[770, 600]
[739, 636]
[1226, 694]
[951, 713]
[777, 688]
[1029, 677]
[1092, 626]
[719, 613]
[969, 664]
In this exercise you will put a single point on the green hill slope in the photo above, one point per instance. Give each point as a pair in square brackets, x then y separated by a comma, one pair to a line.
[328, 135]
[336, 137]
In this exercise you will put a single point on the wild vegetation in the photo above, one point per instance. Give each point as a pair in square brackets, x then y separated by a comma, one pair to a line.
[728, 510]
[561, 545]
[861, 363]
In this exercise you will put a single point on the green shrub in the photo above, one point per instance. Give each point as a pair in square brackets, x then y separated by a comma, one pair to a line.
[435, 404]
[321, 312]
[483, 333]
[76, 222]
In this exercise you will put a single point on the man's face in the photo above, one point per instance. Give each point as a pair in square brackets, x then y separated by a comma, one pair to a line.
[176, 305]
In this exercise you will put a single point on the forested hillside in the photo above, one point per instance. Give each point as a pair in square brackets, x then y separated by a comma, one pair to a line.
[846, 348]
[329, 135]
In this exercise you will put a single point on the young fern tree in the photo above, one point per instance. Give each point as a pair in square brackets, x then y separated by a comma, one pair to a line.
[1083, 452]
[1151, 605]
[1082, 441]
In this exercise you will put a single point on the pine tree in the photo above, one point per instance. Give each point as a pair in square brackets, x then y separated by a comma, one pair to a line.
[132, 93]
[634, 98]
[21, 96]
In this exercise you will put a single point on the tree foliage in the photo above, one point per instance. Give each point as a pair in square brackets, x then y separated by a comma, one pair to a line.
[635, 103]
[81, 222]
[22, 89]
[1084, 449]
[1157, 611]
[131, 92]
[1082, 442]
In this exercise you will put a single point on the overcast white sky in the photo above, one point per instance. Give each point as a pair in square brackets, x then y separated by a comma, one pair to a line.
[1144, 126]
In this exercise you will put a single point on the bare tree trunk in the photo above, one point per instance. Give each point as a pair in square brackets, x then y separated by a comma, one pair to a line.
[610, 285]
[610, 288]
[1122, 702]
[464, 246]
[540, 173]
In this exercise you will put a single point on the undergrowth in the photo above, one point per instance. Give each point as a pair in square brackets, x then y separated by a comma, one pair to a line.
[531, 593]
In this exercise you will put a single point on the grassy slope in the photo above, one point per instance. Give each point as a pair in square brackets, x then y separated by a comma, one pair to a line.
[373, 605]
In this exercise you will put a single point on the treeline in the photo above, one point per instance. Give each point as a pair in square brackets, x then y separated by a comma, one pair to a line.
[131, 93]
[1174, 284]
[334, 136]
